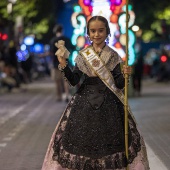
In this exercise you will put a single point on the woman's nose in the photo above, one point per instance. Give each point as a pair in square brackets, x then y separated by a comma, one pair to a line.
[96, 33]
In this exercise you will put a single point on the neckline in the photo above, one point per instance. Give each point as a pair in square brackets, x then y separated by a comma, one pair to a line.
[99, 53]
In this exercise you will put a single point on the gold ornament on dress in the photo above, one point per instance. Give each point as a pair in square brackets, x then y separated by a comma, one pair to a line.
[95, 63]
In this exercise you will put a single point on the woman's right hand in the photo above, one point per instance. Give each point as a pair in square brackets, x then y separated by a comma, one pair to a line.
[62, 61]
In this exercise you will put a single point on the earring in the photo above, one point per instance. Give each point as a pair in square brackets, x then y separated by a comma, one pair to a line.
[89, 40]
[107, 40]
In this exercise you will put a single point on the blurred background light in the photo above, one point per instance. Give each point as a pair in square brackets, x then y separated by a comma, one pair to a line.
[23, 47]
[9, 8]
[116, 2]
[22, 55]
[12, 1]
[135, 28]
[65, 1]
[87, 2]
[77, 8]
[164, 58]
[81, 41]
[38, 48]
[29, 40]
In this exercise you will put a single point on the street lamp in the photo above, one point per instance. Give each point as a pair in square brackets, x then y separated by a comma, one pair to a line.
[9, 6]
[12, 1]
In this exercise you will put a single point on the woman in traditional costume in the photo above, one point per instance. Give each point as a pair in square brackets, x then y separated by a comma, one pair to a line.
[90, 133]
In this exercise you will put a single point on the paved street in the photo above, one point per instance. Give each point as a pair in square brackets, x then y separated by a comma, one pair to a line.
[152, 112]
[28, 118]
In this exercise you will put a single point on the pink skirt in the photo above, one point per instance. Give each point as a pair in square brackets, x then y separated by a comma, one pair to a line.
[140, 162]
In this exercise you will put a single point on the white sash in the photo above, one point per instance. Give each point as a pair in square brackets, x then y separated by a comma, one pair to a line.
[98, 66]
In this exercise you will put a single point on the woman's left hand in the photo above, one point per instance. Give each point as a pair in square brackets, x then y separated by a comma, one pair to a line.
[127, 70]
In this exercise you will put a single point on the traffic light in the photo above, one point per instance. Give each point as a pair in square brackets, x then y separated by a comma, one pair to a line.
[164, 58]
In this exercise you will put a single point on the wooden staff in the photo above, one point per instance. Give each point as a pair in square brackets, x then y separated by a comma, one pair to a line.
[126, 86]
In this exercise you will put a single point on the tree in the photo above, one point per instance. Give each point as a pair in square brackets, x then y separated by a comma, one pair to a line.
[38, 15]
[149, 16]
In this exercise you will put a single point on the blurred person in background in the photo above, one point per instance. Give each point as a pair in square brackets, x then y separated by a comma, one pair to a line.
[13, 62]
[163, 74]
[7, 76]
[61, 85]
[26, 67]
[138, 70]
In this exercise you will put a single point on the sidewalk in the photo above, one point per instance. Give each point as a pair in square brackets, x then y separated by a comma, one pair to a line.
[151, 111]
[154, 162]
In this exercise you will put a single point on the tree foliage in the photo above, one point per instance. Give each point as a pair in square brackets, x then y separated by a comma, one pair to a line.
[38, 15]
[150, 15]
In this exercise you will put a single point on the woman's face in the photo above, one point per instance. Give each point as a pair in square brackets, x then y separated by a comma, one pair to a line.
[97, 32]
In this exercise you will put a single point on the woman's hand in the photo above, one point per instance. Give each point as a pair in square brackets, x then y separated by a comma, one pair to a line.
[62, 61]
[62, 53]
[127, 70]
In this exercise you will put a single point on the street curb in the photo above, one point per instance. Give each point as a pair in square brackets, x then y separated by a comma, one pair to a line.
[154, 162]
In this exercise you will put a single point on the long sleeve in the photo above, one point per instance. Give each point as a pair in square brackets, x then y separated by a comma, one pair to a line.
[118, 77]
[73, 77]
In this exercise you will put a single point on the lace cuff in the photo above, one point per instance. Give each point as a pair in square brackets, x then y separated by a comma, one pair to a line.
[63, 73]
[62, 68]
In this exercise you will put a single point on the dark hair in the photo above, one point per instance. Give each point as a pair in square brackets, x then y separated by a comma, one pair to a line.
[57, 28]
[99, 18]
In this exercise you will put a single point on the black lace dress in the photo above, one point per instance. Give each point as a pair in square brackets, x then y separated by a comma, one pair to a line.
[90, 135]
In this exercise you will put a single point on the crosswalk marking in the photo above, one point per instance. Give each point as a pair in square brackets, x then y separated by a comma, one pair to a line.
[3, 145]
[12, 114]
[7, 139]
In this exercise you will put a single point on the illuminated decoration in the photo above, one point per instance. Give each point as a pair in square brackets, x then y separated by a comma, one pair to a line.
[46, 47]
[122, 21]
[79, 24]
[87, 2]
[78, 20]
[65, 1]
[86, 7]
[38, 48]
[22, 55]
[101, 8]
[80, 41]
[114, 18]
[116, 2]
[135, 28]
[115, 12]
[122, 28]
[23, 47]
[74, 55]
[77, 8]
[29, 40]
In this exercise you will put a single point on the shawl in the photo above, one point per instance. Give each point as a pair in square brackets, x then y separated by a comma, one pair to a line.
[108, 56]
